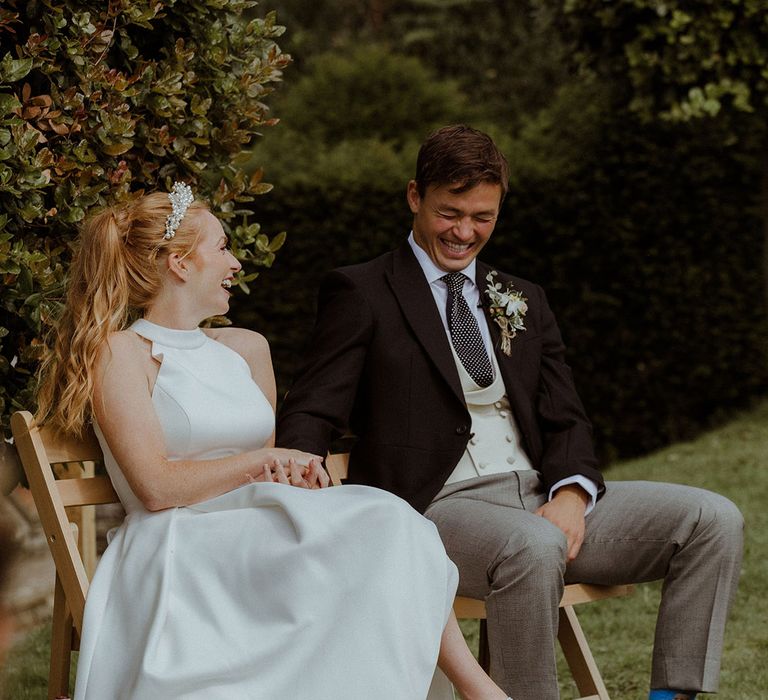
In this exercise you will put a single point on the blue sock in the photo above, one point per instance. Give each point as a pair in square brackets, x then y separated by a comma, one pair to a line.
[665, 694]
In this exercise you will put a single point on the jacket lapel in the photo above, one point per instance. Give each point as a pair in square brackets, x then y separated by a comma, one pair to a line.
[414, 296]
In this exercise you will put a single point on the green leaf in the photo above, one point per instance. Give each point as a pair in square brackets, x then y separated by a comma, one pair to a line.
[30, 211]
[13, 70]
[27, 139]
[73, 215]
[117, 149]
[261, 188]
[84, 152]
[277, 241]
[8, 103]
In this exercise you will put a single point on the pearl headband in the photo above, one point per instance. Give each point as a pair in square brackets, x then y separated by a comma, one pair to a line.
[181, 197]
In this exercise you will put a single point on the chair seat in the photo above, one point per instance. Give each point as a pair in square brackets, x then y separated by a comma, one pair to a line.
[573, 594]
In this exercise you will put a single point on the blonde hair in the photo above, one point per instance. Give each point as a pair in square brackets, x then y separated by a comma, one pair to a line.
[115, 275]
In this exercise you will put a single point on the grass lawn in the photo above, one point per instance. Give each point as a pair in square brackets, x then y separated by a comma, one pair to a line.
[732, 460]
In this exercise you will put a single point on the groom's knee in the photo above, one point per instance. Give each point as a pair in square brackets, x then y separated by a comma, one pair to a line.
[722, 519]
[536, 557]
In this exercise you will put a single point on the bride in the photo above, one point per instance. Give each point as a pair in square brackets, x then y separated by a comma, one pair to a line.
[236, 574]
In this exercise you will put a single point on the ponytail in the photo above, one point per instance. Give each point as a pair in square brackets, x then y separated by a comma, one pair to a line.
[113, 278]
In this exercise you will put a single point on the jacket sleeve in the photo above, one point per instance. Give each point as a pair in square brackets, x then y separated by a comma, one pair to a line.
[566, 432]
[317, 408]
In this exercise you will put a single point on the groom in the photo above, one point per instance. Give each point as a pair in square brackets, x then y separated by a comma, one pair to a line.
[453, 378]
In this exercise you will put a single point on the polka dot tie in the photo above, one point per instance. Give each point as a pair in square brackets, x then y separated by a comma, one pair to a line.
[465, 333]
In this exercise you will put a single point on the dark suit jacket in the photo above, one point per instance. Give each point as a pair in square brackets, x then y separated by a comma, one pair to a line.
[379, 365]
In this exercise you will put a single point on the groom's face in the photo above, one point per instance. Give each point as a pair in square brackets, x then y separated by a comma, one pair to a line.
[453, 227]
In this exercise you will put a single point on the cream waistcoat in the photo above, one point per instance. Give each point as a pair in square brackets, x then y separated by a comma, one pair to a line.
[495, 444]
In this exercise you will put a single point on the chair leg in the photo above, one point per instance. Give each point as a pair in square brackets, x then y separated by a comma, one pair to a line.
[61, 645]
[484, 651]
[579, 657]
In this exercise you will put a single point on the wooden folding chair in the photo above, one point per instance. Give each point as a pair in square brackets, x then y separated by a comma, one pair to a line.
[61, 504]
[572, 640]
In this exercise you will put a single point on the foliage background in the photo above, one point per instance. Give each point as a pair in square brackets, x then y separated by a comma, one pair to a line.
[100, 101]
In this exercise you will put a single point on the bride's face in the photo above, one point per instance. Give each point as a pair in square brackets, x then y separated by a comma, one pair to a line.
[212, 266]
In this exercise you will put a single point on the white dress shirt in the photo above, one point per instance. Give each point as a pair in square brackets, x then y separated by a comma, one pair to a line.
[471, 293]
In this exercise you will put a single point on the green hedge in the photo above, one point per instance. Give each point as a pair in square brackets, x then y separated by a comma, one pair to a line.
[649, 249]
[100, 101]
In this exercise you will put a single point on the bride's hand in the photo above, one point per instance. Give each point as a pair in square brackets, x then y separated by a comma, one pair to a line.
[293, 473]
[315, 474]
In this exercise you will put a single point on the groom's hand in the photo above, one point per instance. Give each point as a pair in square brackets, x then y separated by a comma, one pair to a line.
[307, 475]
[566, 510]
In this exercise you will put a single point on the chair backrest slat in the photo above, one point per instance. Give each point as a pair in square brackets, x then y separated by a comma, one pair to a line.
[65, 448]
[337, 466]
[90, 491]
[38, 448]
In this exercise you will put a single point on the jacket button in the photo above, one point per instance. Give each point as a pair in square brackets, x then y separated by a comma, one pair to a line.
[462, 430]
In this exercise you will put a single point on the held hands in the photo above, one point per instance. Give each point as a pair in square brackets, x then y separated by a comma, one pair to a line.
[566, 510]
[292, 468]
[311, 476]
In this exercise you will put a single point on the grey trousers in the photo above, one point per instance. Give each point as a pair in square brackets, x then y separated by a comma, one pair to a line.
[638, 531]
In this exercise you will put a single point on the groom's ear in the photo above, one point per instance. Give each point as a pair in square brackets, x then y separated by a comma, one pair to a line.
[413, 197]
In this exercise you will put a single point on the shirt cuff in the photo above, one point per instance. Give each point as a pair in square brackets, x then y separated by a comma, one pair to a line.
[587, 484]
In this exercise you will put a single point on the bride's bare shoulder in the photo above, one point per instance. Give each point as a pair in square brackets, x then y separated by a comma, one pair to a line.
[252, 346]
[125, 348]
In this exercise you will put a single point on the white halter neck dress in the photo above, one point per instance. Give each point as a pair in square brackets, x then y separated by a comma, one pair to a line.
[268, 592]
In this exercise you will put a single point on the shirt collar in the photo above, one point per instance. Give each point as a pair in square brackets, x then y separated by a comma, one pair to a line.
[431, 271]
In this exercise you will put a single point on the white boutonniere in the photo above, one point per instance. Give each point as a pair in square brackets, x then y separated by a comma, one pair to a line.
[507, 309]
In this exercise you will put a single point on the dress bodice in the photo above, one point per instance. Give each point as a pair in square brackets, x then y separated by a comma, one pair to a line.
[206, 401]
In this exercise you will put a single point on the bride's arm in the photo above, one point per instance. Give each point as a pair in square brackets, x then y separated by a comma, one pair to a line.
[122, 404]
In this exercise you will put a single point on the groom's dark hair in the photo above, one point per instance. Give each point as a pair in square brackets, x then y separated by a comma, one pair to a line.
[462, 156]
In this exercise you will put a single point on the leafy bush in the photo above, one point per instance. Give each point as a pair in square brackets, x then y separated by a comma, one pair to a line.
[368, 91]
[507, 55]
[357, 117]
[99, 101]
